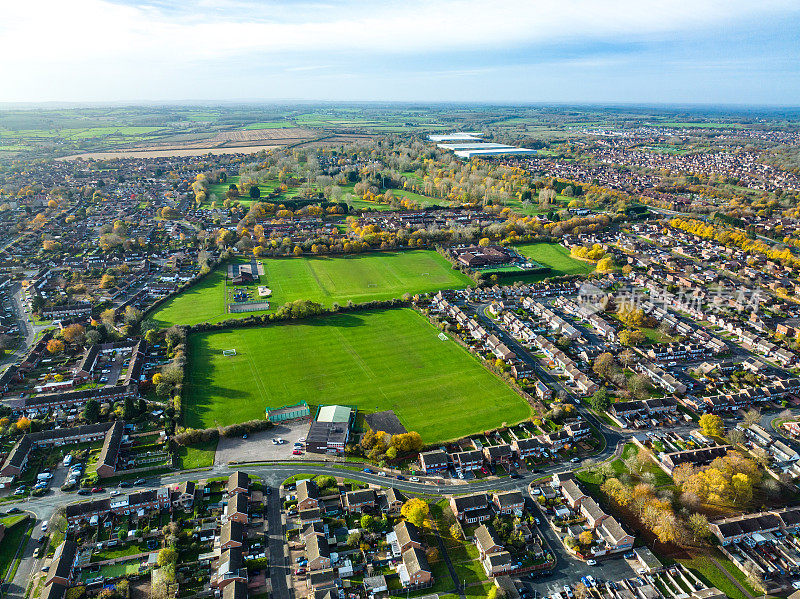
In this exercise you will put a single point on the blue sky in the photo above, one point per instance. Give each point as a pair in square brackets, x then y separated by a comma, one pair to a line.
[673, 51]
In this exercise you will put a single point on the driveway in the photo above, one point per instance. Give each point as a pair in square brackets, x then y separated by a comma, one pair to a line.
[258, 446]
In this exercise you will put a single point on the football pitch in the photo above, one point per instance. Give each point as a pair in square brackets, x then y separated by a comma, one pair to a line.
[378, 360]
[360, 278]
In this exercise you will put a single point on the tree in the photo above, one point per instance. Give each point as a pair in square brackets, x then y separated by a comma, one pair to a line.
[167, 556]
[632, 337]
[23, 423]
[742, 488]
[91, 411]
[367, 522]
[586, 538]
[415, 510]
[546, 197]
[698, 526]
[638, 385]
[455, 531]
[353, 539]
[600, 399]
[107, 281]
[605, 264]
[751, 417]
[735, 437]
[55, 346]
[484, 242]
[74, 333]
[255, 192]
[604, 365]
[712, 425]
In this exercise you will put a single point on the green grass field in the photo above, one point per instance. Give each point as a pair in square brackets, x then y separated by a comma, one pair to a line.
[381, 360]
[556, 257]
[361, 278]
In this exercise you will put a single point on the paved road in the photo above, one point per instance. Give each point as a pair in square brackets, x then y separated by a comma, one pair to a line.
[278, 570]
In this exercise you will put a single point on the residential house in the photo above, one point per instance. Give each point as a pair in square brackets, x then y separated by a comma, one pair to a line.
[471, 508]
[61, 566]
[508, 502]
[433, 461]
[415, 569]
[407, 535]
[236, 508]
[358, 501]
[318, 553]
[487, 541]
[238, 482]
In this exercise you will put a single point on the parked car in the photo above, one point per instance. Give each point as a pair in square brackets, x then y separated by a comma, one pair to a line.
[44, 526]
[98, 490]
[575, 460]
[401, 477]
[13, 510]
[414, 479]
[591, 562]
[297, 452]
[139, 481]
[84, 492]
[381, 473]
[368, 470]
[124, 484]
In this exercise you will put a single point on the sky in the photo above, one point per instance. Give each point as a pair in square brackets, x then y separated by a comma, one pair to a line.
[588, 51]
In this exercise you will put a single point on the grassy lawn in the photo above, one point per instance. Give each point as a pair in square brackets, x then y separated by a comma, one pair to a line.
[711, 575]
[16, 533]
[113, 570]
[381, 360]
[362, 278]
[556, 257]
[198, 456]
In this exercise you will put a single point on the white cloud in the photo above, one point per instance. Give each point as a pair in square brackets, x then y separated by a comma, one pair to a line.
[98, 42]
[82, 29]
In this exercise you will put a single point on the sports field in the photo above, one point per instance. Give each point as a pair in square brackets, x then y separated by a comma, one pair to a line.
[361, 278]
[382, 360]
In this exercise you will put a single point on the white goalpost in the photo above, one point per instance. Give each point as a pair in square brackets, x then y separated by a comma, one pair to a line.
[228, 352]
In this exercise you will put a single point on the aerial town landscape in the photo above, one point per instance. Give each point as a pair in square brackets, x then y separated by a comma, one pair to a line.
[482, 311]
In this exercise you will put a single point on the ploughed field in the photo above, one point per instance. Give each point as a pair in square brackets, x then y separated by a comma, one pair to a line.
[375, 360]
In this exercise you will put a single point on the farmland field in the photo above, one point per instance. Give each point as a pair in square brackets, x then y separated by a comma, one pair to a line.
[381, 360]
[325, 280]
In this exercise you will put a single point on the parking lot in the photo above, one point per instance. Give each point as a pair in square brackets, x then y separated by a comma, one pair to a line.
[259, 446]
